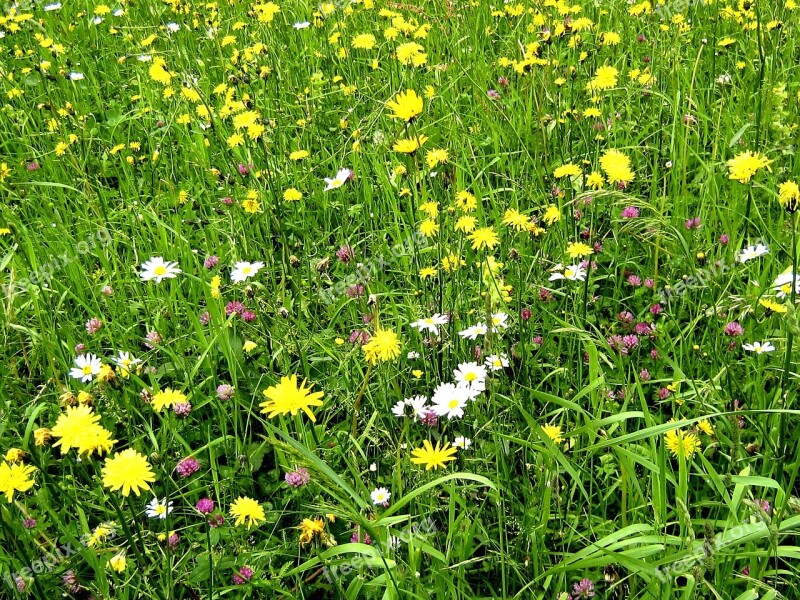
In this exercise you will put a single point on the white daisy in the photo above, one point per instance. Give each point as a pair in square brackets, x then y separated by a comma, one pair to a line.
[496, 362]
[380, 496]
[87, 366]
[499, 321]
[75, 76]
[412, 355]
[430, 323]
[449, 400]
[157, 268]
[244, 270]
[572, 273]
[301, 25]
[759, 347]
[118, 13]
[473, 332]
[53, 6]
[751, 252]
[783, 283]
[341, 178]
[125, 361]
[462, 443]
[471, 374]
[158, 509]
[173, 27]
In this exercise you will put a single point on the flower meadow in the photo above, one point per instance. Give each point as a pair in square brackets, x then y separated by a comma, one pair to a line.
[371, 299]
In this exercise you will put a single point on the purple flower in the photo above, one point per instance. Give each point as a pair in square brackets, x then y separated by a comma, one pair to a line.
[173, 541]
[211, 262]
[356, 537]
[107, 290]
[692, 223]
[359, 337]
[493, 94]
[634, 280]
[70, 582]
[649, 283]
[644, 329]
[723, 239]
[429, 418]
[733, 329]
[226, 200]
[355, 291]
[537, 340]
[656, 309]
[188, 466]
[93, 325]
[32, 166]
[764, 505]
[630, 212]
[345, 253]
[525, 314]
[29, 523]
[205, 505]
[80, 348]
[297, 478]
[182, 409]
[644, 375]
[616, 343]
[243, 170]
[225, 391]
[630, 341]
[248, 316]
[664, 393]
[205, 318]
[545, 295]
[584, 589]
[242, 576]
[153, 338]
[234, 307]
[216, 521]
[626, 317]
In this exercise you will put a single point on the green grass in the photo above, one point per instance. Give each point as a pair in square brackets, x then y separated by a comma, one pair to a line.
[521, 513]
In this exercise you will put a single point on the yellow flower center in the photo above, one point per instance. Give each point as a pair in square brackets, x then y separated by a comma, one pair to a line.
[160, 270]
[87, 370]
[470, 376]
[453, 403]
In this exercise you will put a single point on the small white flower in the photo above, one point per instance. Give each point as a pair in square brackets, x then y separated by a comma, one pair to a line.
[473, 332]
[97, 20]
[144, 58]
[496, 362]
[118, 13]
[412, 355]
[158, 509]
[499, 321]
[449, 400]
[173, 27]
[380, 496]
[125, 360]
[471, 374]
[87, 366]
[75, 76]
[341, 178]
[301, 25]
[462, 443]
[244, 270]
[373, 467]
[571, 273]
[783, 283]
[759, 347]
[431, 324]
[751, 252]
[53, 6]
[415, 406]
[157, 268]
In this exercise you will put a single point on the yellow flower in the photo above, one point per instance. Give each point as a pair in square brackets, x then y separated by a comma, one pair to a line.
[485, 237]
[426, 272]
[286, 398]
[726, 42]
[127, 471]
[15, 478]
[292, 195]
[299, 155]
[117, 562]
[364, 41]
[579, 250]
[15, 455]
[595, 180]
[411, 53]
[167, 398]
[773, 307]
[431, 457]
[617, 167]
[553, 432]
[744, 165]
[551, 215]
[435, 157]
[409, 145]
[406, 106]
[679, 442]
[383, 346]
[309, 529]
[567, 170]
[515, 219]
[42, 435]
[466, 224]
[247, 510]
[429, 228]
[251, 205]
[79, 428]
[705, 427]
[430, 208]
[789, 195]
[605, 78]
[249, 346]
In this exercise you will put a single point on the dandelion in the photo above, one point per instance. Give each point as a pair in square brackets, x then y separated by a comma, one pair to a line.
[15, 478]
[127, 471]
[553, 432]
[743, 166]
[579, 250]
[409, 145]
[680, 442]
[80, 428]
[484, 238]
[167, 398]
[246, 510]
[551, 215]
[309, 529]
[616, 166]
[567, 170]
[789, 196]
[118, 562]
[406, 106]
[287, 398]
[433, 457]
[383, 346]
